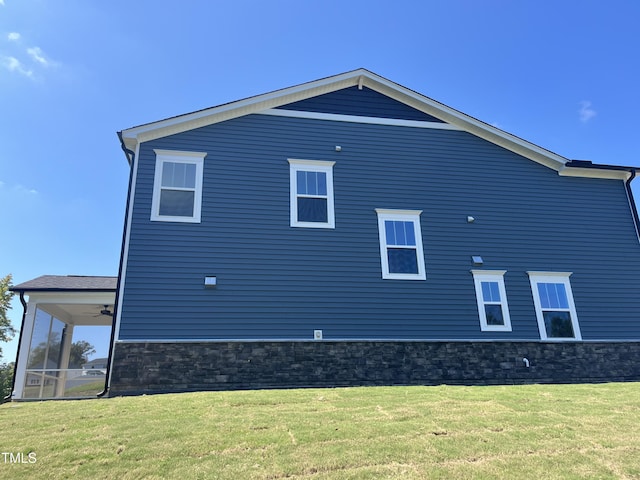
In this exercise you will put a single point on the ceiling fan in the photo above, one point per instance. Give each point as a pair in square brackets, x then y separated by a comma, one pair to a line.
[105, 311]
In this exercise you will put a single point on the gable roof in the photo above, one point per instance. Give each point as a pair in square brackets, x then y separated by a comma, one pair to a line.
[68, 283]
[131, 137]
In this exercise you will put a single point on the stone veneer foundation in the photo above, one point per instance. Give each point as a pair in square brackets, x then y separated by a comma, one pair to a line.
[193, 366]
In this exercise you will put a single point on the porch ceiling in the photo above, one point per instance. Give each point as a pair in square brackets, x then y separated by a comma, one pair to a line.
[79, 314]
[76, 300]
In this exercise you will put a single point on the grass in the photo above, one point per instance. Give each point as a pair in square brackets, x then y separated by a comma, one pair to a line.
[86, 389]
[514, 432]
[89, 389]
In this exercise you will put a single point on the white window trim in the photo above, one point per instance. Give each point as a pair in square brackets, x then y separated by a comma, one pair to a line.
[176, 156]
[404, 216]
[296, 165]
[554, 277]
[480, 276]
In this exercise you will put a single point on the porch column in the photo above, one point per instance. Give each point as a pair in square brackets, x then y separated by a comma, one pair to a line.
[65, 351]
[25, 344]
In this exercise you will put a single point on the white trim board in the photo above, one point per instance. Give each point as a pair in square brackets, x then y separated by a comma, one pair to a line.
[404, 216]
[326, 167]
[265, 103]
[492, 276]
[335, 117]
[181, 157]
[77, 297]
[117, 315]
[563, 279]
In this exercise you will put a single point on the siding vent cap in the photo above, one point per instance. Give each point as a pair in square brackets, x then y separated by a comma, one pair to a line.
[470, 219]
[477, 260]
[210, 282]
[338, 148]
[317, 334]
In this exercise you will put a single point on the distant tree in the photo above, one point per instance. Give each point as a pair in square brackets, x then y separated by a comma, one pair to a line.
[80, 352]
[49, 349]
[6, 330]
[6, 378]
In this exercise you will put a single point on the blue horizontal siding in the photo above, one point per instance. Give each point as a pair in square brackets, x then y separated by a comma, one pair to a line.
[365, 102]
[279, 282]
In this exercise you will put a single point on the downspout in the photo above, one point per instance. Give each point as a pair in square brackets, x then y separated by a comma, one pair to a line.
[131, 157]
[632, 203]
[15, 365]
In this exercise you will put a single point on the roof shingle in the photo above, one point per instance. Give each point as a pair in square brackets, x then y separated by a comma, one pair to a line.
[68, 283]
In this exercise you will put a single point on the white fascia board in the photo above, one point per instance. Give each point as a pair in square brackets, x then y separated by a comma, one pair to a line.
[360, 77]
[465, 122]
[485, 131]
[595, 173]
[76, 297]
[182, 123]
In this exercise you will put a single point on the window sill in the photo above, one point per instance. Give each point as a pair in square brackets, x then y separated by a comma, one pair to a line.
[403, 276]
[313, 225]
[156, 218]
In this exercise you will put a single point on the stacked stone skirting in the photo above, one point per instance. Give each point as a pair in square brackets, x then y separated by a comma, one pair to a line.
[179, 367]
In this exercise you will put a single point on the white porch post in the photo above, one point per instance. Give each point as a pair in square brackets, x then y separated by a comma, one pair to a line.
[64, 360]
[25, 344]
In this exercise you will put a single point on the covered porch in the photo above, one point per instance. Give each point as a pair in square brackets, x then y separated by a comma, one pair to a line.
[65, 336]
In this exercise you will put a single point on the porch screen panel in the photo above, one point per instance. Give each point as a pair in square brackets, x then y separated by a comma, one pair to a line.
[44, 354]
[41, 328]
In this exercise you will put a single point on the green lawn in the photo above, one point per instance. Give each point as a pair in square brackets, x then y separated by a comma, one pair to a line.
[513, 432]
[89, 389]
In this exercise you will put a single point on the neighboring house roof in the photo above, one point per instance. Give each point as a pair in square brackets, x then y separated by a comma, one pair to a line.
[96, 361]
[68, 283]
[265, 103]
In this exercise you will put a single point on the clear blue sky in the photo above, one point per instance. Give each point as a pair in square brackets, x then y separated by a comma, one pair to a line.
[564, 75]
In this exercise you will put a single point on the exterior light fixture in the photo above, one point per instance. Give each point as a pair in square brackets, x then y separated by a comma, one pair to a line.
[477, 260]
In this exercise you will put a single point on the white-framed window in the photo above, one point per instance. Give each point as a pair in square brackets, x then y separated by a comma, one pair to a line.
[555, 308]
[401, 252]
[311, 193]
[177, 186]
[492, 300]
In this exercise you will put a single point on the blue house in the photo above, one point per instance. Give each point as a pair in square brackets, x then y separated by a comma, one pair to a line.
[351, 231]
